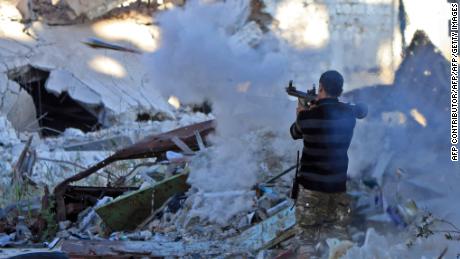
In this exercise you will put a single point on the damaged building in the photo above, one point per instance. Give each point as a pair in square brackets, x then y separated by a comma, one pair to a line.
[158, 129]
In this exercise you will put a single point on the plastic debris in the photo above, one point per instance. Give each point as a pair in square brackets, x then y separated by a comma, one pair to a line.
[338, 248]
[22, 231]
[173, 156]
[4, 239]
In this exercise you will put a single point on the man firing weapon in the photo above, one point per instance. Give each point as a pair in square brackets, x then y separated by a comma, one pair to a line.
[326, 127]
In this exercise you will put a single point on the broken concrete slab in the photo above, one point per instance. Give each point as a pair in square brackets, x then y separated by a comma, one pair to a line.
[116, 80]
[260, 236]
[17, 104]
[22, 113]
[95, 8]
[65, 12]
[60, 81]
[128, 211]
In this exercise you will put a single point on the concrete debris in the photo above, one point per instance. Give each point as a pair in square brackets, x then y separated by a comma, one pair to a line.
[374, 244]
[148, 174]
[95, 78]
[23, 233]
[94, 9]
[68, 12]
[164, 205]
[253, 239]
[63, 225]
[140, 236]
[4, 239]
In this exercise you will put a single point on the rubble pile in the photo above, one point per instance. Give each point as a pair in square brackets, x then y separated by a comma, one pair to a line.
[66, 12]
[163, 210]
[175, 218]
[150, 179]
[25, 199]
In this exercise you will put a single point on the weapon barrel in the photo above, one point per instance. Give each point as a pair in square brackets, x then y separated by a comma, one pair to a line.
[300, 94]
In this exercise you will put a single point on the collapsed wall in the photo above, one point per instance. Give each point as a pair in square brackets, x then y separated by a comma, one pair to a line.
[98, 86]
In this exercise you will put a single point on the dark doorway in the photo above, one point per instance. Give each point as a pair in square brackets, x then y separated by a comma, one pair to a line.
[55, 113]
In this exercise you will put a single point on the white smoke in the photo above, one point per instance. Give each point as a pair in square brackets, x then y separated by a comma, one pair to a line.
[209, 50]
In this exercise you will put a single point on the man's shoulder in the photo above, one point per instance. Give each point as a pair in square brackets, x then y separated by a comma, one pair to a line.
[327, 111]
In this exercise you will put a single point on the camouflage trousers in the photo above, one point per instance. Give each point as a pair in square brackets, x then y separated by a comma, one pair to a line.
[319, 213]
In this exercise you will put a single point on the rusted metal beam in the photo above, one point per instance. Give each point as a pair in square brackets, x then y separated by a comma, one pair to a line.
[151, 146]
[159, 144]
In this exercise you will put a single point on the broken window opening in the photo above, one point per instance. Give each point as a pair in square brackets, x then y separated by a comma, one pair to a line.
[55, 113]
[204, 107]
[145, 116]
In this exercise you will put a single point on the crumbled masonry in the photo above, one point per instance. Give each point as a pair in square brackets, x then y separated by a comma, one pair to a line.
[160, 128]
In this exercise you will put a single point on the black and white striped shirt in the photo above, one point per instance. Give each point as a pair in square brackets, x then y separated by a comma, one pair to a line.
[326, 131]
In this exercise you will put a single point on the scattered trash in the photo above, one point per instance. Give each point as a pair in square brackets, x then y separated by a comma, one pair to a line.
[173, 156]
[338, 248]
[263, 235]
[54, 243]
[4, 239]
[23, 233]
[402, 215]
[282, 205]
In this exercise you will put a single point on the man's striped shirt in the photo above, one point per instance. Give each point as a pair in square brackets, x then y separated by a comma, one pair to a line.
[326, 131]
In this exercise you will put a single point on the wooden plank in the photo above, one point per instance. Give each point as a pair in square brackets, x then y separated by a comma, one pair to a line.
[128, 211]
[262, 235]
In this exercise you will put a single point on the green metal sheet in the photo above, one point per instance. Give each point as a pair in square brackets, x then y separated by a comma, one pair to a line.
[128, 211]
